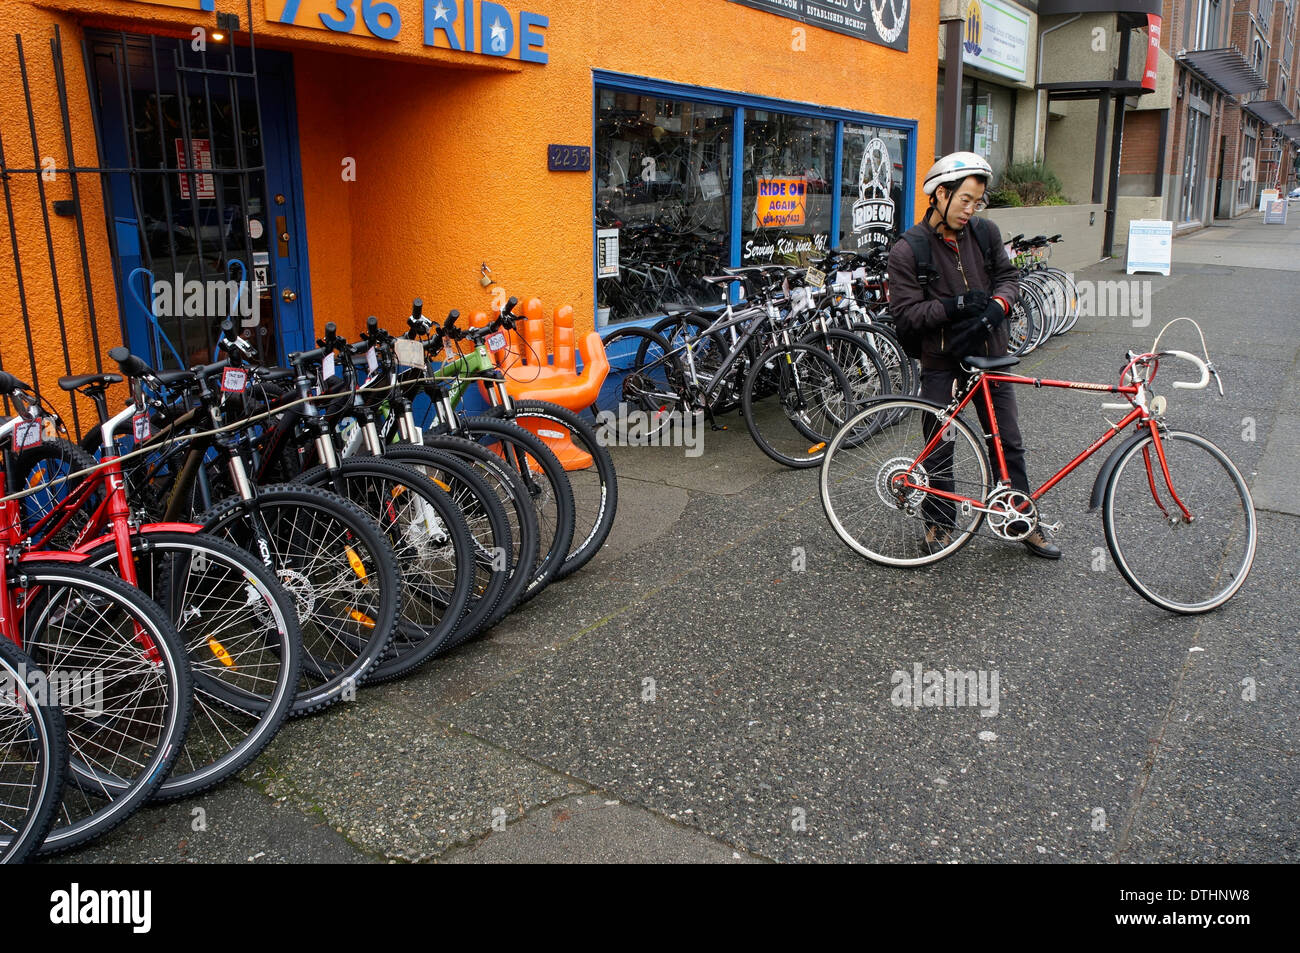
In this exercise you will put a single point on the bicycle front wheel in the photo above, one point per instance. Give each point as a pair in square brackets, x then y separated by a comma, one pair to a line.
[877, 478]
[245, 650]
[124, 688]
[33, 755]
[1185, 566]
[812, 399]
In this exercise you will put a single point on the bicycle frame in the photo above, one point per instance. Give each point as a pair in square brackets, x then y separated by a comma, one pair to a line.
[980, 386]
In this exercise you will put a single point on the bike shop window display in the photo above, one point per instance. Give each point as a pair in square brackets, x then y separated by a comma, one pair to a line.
[871, 186]
[787, 188]
[663, 191]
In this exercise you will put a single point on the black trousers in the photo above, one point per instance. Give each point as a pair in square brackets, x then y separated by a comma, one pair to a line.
[936, 385]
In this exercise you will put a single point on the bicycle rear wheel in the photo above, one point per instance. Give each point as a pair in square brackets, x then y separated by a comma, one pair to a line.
[861, 476]
[33, 755]
[1185, 567]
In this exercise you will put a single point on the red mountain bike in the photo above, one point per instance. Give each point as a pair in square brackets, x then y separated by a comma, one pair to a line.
[907, 482]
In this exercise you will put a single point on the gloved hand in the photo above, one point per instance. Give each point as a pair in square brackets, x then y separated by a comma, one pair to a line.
[969, 304]
[992, 314]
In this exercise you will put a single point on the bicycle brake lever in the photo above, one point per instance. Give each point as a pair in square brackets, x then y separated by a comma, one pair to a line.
[1215, 374]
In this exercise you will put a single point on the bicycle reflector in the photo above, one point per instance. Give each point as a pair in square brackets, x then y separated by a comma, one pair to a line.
[357, 565]
[220, 652]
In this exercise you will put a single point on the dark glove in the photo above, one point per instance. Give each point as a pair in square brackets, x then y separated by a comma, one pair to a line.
[992, 315]
[968, 304]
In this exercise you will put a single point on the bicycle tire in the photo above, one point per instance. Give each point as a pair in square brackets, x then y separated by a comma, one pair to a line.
[548, 486]
[521, 514]
[33, 756]
[43, 464]
[595, 487]
[811, 390]
[433, 546]
[490, 536]
[876, 446]
[241, 634]
[1165, 561]
[123, 741]
[859, 361]
[346, 625]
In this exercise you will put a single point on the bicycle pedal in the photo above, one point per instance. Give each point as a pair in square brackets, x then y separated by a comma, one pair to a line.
[1052, 528]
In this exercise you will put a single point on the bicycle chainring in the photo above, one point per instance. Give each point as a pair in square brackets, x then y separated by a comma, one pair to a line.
[890, 471]
[1011, 514]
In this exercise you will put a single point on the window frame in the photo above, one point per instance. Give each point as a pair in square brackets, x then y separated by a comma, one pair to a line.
[739, 103]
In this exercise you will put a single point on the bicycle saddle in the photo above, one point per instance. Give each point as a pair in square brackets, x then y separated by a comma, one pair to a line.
[74, 382]
[991, 363]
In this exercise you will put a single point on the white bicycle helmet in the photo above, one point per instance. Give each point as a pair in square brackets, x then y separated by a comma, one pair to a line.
[953, 168]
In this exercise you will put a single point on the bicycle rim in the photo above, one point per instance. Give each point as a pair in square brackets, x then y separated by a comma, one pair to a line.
[864, 502]
[811, 401]
[33, 756]
[1182, 567]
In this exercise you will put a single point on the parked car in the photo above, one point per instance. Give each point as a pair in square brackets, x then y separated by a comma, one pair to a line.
[1294, 194]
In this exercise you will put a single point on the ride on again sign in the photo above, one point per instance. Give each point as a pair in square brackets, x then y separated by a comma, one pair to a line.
[781, 202]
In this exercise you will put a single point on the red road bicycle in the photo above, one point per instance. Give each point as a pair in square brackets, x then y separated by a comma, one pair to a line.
[907, 482]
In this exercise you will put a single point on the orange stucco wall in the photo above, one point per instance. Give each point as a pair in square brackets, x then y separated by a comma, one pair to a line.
[450, 147]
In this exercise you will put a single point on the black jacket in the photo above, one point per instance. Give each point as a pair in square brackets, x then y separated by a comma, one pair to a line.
[909, 305]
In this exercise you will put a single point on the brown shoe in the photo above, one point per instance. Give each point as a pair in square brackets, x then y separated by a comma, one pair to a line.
[1039, 545]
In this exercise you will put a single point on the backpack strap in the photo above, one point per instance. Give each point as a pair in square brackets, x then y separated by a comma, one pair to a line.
[984, 238]
[920, 243]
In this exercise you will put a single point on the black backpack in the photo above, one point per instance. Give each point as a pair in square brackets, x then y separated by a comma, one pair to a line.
[908, 338]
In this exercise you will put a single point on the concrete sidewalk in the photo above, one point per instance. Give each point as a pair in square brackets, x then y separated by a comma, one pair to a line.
[716, 685]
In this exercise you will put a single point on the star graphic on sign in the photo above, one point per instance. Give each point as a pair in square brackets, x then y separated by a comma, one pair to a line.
[498, 31]
[440, 12]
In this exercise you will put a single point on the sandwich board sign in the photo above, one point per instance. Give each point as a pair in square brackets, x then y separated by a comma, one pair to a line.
[1150, 246]
[1275, 212]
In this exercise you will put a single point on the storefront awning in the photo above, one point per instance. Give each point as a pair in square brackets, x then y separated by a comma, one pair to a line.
[1271, 111]
[1227, 70]
[1050, 8]
[1290, 129]
[1091, 89]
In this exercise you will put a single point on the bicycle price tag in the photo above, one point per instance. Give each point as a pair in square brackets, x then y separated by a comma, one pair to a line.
[815, 278]
[234, 380]
[27, 433]
[409, 353]
[496, 342]
[327, 366]
[372, 360]
[860, 273]
[140, 427]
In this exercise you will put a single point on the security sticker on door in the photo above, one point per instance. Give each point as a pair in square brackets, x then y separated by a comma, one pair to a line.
[27, 433]
[496, 341]
[234, 380]
[409, 353]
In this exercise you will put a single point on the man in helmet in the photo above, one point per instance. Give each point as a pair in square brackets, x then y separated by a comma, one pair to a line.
[959, 308]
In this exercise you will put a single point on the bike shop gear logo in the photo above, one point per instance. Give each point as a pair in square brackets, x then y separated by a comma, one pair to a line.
[974, 28]
[873, 212]
[898, 18]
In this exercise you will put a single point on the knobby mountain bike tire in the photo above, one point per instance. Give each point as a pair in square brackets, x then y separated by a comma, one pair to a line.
[339, 570]
[434, 549]
[33, 755]
[128, 691]
[547, 483]
[1183, 567]
[595, 486]
[241, 634]
[521, 514]
[490, 539]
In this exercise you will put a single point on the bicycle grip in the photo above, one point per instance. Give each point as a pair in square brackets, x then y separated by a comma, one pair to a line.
[9, 383]
[130, 365]
[1124, 407]
[417, 306]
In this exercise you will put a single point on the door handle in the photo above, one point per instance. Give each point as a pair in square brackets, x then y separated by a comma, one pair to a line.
[289, 294]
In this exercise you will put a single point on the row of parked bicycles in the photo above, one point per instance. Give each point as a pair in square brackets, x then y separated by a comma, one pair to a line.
[242, 543]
